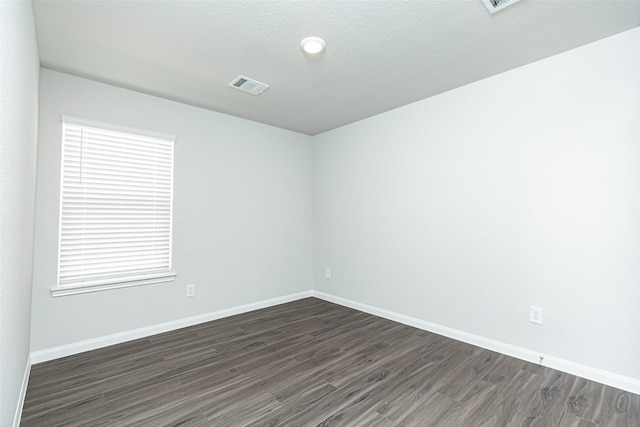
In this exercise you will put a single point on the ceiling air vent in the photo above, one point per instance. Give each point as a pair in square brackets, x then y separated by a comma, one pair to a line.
[495, 5]
[246, 84]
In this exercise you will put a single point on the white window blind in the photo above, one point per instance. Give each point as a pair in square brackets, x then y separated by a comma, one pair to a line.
[116, 206]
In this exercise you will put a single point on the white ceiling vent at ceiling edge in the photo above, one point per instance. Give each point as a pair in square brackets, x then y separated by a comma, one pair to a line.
[495, 5]
[248, 85]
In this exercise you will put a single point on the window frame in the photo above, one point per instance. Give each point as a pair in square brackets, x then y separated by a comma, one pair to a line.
[116, 281]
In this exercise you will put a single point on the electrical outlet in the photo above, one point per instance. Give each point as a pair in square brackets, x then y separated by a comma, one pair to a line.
[191, 290]
[327, 273]
[535, 315]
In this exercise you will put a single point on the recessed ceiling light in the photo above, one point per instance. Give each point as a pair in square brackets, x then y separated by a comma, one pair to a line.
[312, 45]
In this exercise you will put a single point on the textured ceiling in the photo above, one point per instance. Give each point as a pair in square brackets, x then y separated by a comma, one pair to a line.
[380, 54]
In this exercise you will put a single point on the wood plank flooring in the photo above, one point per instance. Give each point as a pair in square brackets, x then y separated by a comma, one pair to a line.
[312, 363]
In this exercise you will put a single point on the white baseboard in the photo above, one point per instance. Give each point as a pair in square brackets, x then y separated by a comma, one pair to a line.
[23, 392]
[605, 377]
[95, 343]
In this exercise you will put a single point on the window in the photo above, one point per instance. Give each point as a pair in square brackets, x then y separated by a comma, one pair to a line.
[115, 208]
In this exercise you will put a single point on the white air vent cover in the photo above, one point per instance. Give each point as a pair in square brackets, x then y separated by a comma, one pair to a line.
[495, 5]
[246, 84]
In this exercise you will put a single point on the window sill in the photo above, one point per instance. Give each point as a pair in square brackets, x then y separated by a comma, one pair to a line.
[75, 290]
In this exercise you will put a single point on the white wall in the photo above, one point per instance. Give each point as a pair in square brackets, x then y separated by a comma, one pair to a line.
[19, 68]
[242, 213]
[462, 209]
[521, 189]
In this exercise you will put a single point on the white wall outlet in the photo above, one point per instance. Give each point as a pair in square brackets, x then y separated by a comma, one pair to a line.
[191, 290]
[327, 273]
[535, 315]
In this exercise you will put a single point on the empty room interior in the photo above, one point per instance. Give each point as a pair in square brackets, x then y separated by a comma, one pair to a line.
[230, 213]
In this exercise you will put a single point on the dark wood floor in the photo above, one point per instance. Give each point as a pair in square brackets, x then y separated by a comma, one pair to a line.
[311, 363]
